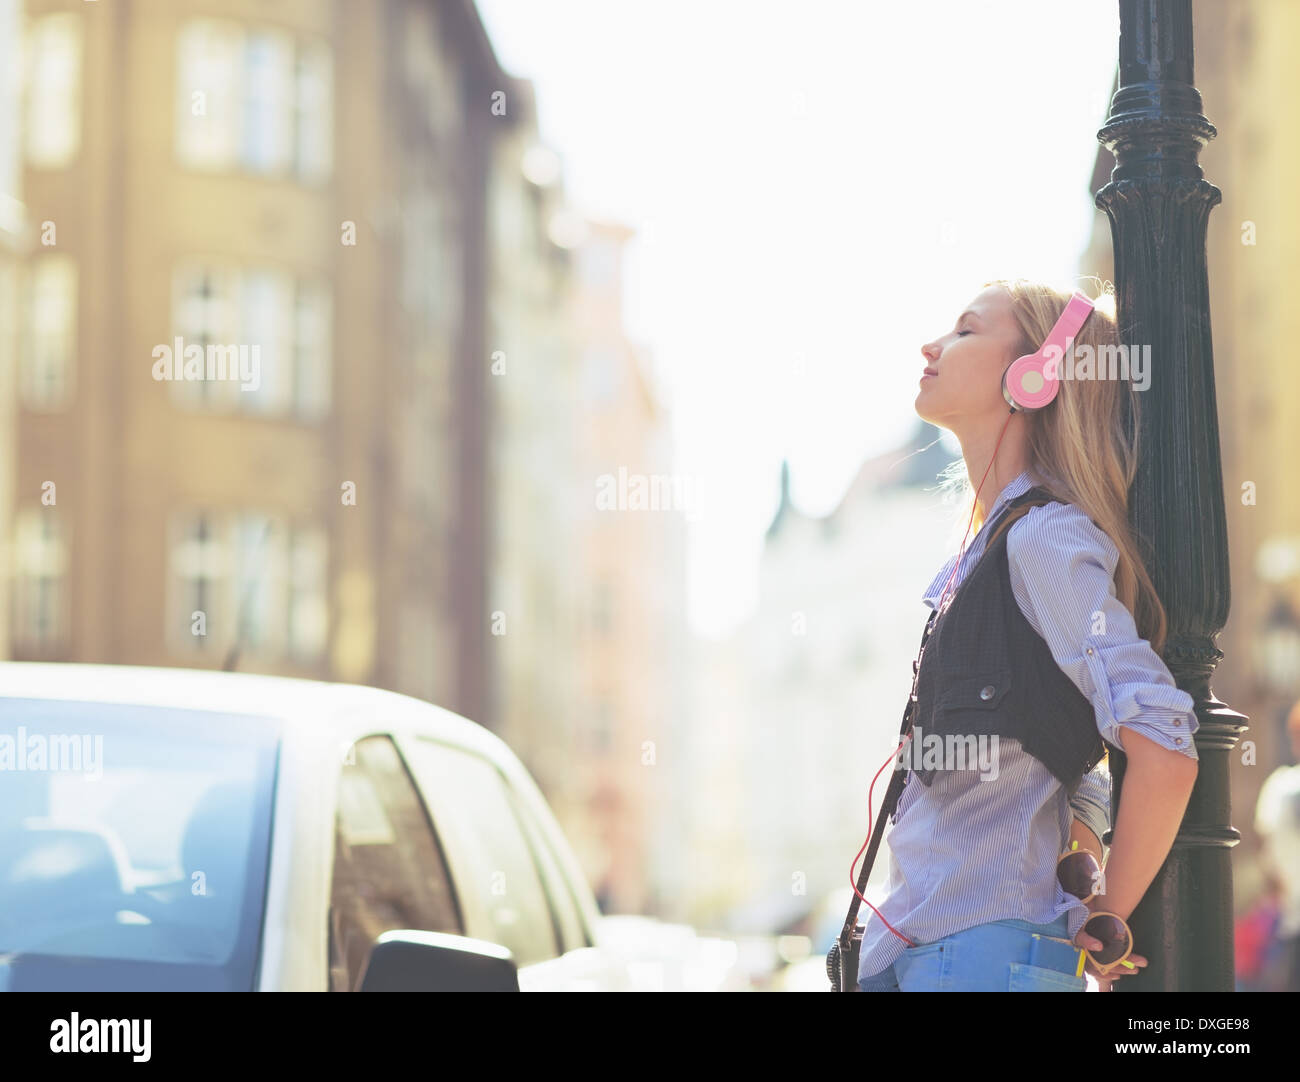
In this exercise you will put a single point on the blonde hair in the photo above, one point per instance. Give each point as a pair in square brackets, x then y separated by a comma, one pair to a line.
[1083, 447]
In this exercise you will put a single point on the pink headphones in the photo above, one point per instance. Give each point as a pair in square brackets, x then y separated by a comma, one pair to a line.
[1031, 382]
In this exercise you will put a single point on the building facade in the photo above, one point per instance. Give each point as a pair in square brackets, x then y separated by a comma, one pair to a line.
[534, 575]
[631, 506]
[249, 398]
[14, 241]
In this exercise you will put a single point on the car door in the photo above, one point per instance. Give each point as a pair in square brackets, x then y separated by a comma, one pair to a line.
[583, 966]
[510, 886]
[390, 870]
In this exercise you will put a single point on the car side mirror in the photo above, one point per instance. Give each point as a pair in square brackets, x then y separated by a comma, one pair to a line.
[412, 961]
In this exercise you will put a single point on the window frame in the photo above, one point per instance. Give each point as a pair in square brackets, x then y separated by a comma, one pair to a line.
[42, 529]
[62, 28]
[50, 275]
[549, 862]
[395, 740]
[481, 915]
[301, 71]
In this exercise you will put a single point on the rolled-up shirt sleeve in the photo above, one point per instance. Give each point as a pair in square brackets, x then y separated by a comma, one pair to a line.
[1062, 568]
[1090, 802]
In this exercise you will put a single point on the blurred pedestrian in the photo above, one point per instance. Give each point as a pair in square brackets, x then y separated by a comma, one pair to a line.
[1277, 821]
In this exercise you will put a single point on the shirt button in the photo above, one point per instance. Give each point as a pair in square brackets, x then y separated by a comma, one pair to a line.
[1178, 721]
[1090, 649]
[986, 692]
[1178, 740]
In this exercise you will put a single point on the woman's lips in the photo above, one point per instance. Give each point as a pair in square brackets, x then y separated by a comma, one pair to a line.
[929, 373]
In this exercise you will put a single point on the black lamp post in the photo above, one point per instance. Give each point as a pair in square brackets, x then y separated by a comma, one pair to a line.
[1159, 204]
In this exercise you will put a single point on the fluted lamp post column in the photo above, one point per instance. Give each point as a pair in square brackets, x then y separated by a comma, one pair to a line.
[1159, 205]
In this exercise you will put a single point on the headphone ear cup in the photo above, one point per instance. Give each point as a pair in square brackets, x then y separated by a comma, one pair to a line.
[1030, 382]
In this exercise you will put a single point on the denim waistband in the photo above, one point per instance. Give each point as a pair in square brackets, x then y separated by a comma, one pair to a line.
[1059, 928]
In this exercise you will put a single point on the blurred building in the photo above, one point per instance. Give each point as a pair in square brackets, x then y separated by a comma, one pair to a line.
[316, 374]
[714, 850]
[1250, 91]
[829, 652]
[14, 240]
[288, 200]
[631, 507]
[532, 357]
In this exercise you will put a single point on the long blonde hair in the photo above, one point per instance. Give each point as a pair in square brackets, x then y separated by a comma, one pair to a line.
[1083, 447]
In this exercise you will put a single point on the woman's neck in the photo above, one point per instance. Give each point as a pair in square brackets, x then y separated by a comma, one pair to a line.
[1012, 460]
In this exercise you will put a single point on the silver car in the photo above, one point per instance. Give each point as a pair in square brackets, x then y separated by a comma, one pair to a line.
[166, 829]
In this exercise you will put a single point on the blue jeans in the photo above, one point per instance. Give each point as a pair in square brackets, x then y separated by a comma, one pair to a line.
[1002, 956]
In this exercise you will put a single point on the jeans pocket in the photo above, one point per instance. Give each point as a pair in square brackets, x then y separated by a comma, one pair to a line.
[1027, 978]
[927, 968]
[885, 981]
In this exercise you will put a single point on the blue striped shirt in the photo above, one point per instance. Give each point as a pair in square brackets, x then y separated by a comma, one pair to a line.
[963, 851]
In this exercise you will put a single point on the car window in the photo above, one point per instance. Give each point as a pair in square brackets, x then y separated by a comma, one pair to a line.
[133, 846]
[573, 933]
[471, 805]
[389, 870]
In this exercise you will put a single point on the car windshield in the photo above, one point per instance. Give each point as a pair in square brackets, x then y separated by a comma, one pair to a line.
[133, 846]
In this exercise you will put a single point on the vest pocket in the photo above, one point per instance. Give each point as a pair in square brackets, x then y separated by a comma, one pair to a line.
[980, 691]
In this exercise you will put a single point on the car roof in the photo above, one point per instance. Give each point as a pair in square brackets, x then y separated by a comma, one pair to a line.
[314, 708]
[316, 711]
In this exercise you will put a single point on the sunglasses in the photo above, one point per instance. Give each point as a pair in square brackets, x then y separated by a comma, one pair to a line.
[1079, 871]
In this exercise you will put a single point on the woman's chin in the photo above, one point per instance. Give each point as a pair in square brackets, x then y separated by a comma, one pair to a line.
[927, 412]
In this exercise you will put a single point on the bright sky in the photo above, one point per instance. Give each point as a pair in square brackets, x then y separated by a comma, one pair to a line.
[820, 186]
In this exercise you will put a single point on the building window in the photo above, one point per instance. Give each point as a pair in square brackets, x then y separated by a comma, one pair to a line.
[267, 87]
[265, 333]
[53, 120]
[313, 325]
[259, 584]
[207, 98]
[273, 337]
[313, 103]
[307, 608]
[254, 100]
[40, 565]
[49, 332]
[200, 570]
[10, 313]
[203, 315]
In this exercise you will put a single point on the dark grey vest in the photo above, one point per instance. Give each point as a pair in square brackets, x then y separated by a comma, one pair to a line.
[985, 670]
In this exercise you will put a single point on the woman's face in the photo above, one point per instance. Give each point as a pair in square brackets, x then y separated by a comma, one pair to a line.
[964, 368]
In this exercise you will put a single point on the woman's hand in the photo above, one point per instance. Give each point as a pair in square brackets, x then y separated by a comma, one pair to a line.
[1157, 786]
[1089, 942]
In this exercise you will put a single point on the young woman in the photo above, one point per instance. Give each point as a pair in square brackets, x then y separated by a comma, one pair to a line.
[1056, 639]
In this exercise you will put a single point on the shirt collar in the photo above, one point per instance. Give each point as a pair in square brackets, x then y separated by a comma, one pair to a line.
[1021, 484]
[1018, 487]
